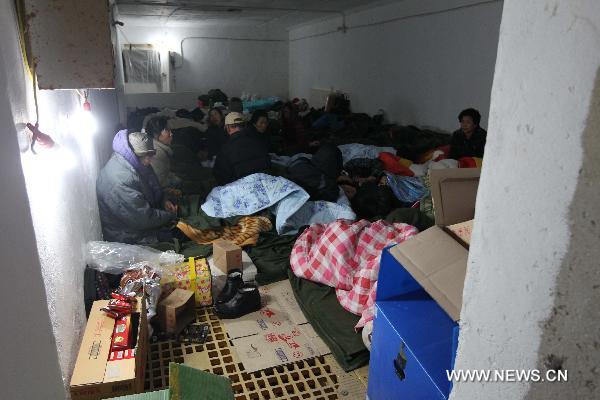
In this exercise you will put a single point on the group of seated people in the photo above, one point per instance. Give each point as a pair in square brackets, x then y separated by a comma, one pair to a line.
[137, 191]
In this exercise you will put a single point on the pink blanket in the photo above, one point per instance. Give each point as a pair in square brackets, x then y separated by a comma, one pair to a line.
[345, 255]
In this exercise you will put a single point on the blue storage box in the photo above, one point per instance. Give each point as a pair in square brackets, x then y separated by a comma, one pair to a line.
[414, 340]
[419, 297]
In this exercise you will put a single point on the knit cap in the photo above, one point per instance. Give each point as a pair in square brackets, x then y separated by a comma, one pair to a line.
[141, 144]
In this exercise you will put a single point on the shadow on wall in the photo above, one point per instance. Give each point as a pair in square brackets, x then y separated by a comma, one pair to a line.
[570, 341]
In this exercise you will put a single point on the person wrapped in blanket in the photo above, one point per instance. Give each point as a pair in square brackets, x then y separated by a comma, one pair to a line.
[365, 184]
[242, 155]
[133, 208]
[318, 175]
[359, 171]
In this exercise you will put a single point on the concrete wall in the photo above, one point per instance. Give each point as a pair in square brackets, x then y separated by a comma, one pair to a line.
[27, 340]
[173, 100]
[432, 59]
[119, 80]
[234, 66]
[533, 285]
[59, 52]
[60, 208]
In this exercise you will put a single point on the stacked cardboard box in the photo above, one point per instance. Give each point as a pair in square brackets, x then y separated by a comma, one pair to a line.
[227, 255]
[435, 258]
[193, 275]
[99, 375]
[176, 311]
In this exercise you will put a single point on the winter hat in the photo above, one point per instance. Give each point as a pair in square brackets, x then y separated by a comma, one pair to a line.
[234, 118]
[141, 144]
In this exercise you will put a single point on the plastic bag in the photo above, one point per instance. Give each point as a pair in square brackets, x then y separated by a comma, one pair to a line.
[116, 258]
[142, 66]
[142, 279]
[407, 189]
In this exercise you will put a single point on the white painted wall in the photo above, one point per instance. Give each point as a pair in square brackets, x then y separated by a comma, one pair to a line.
[234, 66]
[63, 211]
[29, 367]
[59, 32]
[532, 287]
[174, 100]
[433, 59]
[119, 80]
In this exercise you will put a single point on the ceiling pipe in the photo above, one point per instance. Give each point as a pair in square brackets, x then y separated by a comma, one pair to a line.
[343, 28]
[225, 8]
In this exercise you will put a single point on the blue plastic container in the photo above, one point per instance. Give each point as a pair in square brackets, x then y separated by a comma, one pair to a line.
[414, 340]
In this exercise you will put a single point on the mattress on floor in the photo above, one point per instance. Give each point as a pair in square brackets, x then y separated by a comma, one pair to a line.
[271, 255]
[331, 322]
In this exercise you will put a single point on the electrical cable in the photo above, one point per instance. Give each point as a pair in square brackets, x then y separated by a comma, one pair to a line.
[35, 99]
[34, 136]
[30, 68]
[20, 10]
[124, 36]
[217, 8]
[387, 21]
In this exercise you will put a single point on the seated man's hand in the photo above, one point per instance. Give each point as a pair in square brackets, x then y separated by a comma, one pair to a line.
[362, 180]
[345, 179]
[349, 190]
[170, 207]
[174, 192]
[202, 155]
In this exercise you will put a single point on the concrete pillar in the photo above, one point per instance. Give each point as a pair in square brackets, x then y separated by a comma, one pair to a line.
[532, 292]
[29, 366]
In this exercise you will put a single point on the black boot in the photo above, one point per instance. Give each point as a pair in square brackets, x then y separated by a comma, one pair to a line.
[234, 282]
[245, 301]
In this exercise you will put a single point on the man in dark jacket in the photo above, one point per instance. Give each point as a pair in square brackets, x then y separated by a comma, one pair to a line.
[469, 140]
[244, 154]
[132, 206]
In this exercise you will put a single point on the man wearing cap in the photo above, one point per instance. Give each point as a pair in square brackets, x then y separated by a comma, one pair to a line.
[133, 208]
[242, 155]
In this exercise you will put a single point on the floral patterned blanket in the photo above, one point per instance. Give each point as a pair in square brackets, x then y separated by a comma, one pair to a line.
[288, 201]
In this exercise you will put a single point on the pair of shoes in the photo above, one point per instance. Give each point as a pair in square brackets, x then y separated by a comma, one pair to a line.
[234, 282]
[237, 298]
